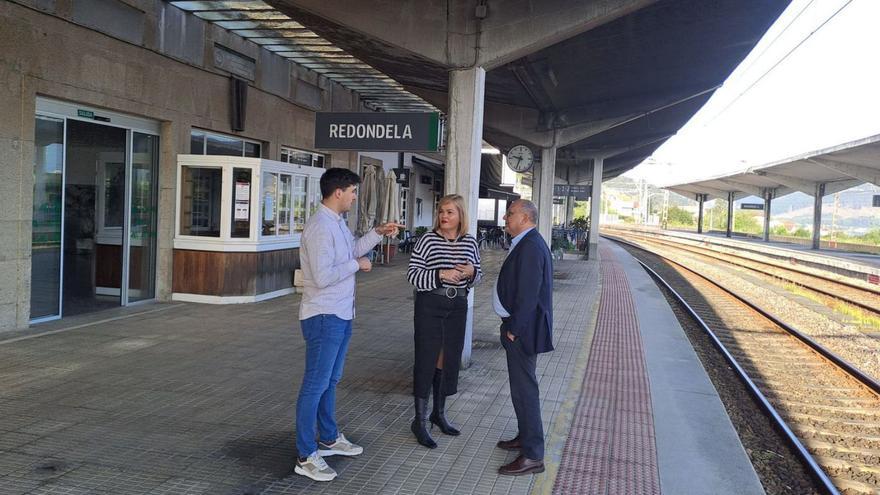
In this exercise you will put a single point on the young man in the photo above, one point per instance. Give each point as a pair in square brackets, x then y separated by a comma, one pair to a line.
[330, 257]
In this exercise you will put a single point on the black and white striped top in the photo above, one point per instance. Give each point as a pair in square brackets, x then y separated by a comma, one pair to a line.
[433, 253]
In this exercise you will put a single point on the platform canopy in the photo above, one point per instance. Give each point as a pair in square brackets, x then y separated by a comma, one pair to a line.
[611, 79]
[838, 168]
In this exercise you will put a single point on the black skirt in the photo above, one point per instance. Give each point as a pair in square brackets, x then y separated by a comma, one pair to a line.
[439, 323]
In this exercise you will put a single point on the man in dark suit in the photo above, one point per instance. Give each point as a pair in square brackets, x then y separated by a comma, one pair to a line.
[524, 300]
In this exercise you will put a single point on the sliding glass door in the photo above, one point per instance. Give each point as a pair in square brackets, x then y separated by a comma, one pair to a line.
[47, 218]
[143, 218]
[95, 217]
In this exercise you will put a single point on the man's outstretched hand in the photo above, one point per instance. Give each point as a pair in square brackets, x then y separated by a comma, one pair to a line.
[389, 229]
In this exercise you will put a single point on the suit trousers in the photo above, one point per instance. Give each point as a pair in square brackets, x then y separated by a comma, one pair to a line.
[521, 369]
[439, 324]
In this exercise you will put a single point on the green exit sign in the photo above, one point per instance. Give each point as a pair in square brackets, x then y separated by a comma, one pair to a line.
[87, 114]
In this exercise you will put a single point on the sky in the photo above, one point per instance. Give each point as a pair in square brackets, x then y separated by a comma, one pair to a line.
[825, 92]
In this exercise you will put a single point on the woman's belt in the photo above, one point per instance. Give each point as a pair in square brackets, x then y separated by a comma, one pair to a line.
[450, 292]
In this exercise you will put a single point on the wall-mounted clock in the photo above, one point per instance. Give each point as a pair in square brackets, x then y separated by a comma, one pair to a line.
[520, 158]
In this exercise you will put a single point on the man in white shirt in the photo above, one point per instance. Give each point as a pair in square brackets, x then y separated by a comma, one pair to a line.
[330, 257]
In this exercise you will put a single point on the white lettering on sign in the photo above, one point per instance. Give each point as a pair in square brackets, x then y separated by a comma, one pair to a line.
[370, 131]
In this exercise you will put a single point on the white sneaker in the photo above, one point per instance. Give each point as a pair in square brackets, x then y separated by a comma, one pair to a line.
[341, 447]
[315, 467]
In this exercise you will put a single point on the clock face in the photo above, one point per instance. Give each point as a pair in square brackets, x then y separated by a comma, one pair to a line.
[520, 158]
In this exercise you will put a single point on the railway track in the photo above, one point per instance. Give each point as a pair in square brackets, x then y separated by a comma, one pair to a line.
[859, 295]
[829, 409]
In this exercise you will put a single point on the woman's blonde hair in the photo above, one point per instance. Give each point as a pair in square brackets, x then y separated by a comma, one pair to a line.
[458, 201]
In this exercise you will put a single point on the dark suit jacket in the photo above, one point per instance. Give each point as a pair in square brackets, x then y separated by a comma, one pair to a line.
[525, 289]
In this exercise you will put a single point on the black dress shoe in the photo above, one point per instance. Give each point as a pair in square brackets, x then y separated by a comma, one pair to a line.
[522, 465]
[512, 444]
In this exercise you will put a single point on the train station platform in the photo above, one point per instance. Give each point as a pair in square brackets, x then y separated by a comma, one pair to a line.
[187, 398]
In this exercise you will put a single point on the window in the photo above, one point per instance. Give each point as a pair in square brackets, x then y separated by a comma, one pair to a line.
[314, 194]
[300, 157]
[209, 143]
[200, 201]
[241, 202]
[270, 199]
[283, 204]
[502, 210]
[299, 202]
[486, 209]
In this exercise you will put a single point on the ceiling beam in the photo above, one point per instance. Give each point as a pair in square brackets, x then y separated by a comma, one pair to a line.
[746, 188]
[841, 185]
[861, 172]
[795, 183]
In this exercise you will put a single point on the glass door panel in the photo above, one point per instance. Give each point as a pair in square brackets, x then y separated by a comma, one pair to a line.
[46, 233]
[93, 195]
[144, 217]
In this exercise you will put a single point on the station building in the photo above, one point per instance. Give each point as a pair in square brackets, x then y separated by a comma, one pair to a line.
[147, 154]
[165, 149]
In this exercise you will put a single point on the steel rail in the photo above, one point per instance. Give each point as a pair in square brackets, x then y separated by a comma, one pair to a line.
[722, 257]
[842, 364]
[775, 264]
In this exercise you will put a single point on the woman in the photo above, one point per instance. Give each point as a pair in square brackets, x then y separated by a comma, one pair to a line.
[444, 265]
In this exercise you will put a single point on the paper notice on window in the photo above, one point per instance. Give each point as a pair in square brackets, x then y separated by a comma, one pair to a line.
[242, 191]
[242, 210]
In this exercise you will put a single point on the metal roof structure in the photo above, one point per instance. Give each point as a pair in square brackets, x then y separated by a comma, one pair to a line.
[278, 33]
[623, 87]
[838, 168]
[617, 90]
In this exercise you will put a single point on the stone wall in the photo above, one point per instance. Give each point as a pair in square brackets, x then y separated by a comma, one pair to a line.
[146, 58]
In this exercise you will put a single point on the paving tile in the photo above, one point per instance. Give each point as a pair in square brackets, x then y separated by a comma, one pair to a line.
[200, 399]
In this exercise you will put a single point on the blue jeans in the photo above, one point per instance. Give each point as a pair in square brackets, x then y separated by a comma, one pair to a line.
[326, 339]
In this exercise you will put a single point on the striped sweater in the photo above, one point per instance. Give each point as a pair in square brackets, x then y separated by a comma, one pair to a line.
[433, 253]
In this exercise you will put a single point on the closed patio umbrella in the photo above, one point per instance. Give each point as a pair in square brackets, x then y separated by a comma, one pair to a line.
[368, 200]
[390, 201]
[390, 208]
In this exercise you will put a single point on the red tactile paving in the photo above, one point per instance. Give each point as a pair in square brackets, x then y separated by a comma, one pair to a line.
[611, 448]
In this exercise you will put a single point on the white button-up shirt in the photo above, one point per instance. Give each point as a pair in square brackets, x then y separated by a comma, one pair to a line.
[328, 258]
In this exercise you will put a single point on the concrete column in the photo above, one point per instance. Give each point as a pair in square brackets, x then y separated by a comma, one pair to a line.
[548, 179]
[768, 198]
[701, 199]
[730, 198]
[817, 214]
[463, 147]
[595, 202]
[569, 209]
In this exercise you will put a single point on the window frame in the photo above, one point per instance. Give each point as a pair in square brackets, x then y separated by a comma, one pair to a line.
[288, 150]
[224, 136]
[256, 241]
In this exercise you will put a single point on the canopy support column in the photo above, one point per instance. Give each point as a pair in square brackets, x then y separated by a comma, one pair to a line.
[463, 148]
[701, 200]
[595, 200]
[817, 215]
[545, 195]
[730, 197]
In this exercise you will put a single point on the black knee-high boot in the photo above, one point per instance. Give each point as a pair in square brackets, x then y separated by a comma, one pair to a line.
[438, 415]
[420, 424]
